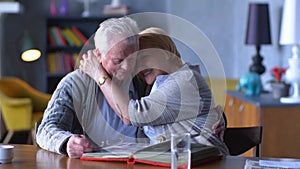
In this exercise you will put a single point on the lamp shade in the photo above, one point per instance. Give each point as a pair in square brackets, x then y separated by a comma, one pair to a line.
[29, 53]
[258, 26]
[290, 24]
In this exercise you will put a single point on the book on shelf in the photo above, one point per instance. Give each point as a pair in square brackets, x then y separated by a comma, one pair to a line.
[72, 36]
[58, 61]
[51, 62]
[156, 154]
[62, 39]
[70, 63]
[50, 39]
[79, 34]
[56, 35]
[61, 62]
[68, 38]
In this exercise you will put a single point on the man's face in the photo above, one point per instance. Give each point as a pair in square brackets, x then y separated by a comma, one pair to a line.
[116, 62]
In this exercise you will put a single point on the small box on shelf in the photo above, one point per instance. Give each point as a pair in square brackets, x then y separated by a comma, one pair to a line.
[110, 10]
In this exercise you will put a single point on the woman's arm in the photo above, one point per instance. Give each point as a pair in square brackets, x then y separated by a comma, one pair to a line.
[180, 96]
[116, 98]
[177, 99]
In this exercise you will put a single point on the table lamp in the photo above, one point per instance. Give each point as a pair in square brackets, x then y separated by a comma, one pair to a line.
[29, 53]
[290, 35]
[258, 33]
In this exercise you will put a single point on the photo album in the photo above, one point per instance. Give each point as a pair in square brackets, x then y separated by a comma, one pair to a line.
[153, 154]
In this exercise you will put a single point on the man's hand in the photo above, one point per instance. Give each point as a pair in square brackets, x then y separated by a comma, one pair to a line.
[77, 145]
[219, 127]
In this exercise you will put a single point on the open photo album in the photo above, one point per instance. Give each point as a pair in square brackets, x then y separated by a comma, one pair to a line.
[153, 154]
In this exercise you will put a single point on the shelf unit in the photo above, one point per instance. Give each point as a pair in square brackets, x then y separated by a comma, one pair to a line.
[86, 25]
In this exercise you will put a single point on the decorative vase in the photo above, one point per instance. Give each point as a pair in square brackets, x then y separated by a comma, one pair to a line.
[280, 90]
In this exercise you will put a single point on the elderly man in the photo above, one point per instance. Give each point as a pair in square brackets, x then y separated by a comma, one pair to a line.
[78, 114]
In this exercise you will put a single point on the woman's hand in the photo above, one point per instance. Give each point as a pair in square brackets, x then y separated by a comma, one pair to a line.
[91, 65]
[220, 126]
[117, 99]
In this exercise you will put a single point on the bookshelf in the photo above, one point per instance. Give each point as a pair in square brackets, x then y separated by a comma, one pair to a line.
[62, 55]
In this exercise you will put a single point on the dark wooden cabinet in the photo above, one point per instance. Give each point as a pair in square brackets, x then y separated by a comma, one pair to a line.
[280, 122]
[87, 26]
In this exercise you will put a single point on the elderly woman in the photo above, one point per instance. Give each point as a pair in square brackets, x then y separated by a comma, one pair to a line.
[178, 100]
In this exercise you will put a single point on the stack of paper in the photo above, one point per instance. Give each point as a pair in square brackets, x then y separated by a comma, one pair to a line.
[272, 164]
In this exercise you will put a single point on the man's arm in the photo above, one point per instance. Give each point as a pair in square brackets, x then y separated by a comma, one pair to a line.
[60, 121]
[56, 126]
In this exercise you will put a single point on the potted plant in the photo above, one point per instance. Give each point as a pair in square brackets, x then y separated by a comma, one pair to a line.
[279, 87]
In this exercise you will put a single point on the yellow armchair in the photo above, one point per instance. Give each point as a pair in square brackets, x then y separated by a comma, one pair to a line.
[21, 105]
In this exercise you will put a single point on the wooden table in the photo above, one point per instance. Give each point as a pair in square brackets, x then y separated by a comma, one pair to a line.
[30, 157]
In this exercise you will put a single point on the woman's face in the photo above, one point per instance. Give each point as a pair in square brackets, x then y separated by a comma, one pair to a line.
[149, 75]
[151, 63]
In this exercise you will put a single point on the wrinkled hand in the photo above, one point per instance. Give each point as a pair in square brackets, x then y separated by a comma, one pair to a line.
[219, 127]
[77, 145]
[91, 65]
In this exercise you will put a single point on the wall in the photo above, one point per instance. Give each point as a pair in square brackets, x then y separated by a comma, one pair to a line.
[13, 27]
[224, 23]
[33, 20]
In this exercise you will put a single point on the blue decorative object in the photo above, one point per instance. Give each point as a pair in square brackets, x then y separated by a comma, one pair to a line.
[250, 83]
[64, 8]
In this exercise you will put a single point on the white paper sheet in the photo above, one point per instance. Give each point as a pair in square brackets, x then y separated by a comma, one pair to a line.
[280, 164]
[272, 164]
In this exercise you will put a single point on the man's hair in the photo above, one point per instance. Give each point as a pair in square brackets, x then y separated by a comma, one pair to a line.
[114, 30]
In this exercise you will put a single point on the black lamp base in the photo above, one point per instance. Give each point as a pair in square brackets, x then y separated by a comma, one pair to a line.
[257, 65]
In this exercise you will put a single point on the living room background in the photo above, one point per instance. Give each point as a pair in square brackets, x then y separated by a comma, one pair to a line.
[224, 22]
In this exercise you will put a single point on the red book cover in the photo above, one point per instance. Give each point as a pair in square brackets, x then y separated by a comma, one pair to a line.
[50, 39]
[61, 37]
[71, 62]
[55, 36]
[132, 160]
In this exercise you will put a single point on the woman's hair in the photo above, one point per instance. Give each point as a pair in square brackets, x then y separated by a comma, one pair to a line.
[154, 37]
[114, 30]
